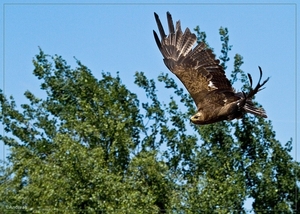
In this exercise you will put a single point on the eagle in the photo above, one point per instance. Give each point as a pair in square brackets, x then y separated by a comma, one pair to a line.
[203, 76]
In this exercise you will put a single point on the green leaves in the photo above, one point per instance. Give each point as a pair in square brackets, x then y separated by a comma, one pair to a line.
[72, 150]
[225, 46]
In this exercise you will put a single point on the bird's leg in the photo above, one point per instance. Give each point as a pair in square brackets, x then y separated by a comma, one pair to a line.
[242, 101]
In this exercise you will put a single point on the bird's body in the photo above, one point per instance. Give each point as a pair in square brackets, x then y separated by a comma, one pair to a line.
[203, 76]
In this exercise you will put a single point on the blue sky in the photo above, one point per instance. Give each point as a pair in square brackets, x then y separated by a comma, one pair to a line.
[118, 37]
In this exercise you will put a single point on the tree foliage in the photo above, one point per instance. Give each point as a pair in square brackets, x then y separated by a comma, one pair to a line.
[91, 146]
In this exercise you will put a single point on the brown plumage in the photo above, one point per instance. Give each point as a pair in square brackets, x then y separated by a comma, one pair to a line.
[203, 76]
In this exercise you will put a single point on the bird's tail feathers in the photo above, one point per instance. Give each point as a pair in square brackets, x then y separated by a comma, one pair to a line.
[250, 108]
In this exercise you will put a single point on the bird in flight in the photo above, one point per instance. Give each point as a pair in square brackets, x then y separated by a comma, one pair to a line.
[204, 77]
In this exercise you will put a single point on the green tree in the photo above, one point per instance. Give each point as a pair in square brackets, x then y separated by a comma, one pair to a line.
[77, 150]
[91, 147]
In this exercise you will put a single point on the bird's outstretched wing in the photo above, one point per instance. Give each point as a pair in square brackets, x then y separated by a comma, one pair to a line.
[197, 67]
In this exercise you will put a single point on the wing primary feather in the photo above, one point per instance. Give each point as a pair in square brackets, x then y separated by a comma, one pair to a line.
[157, 40]
[250, 79]
[187, 42]
[178, 34]
[160, 27]
[259, 85]
[170, 23]
[260, 71]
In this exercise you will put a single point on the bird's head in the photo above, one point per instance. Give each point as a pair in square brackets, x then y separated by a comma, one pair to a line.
[198, 118]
